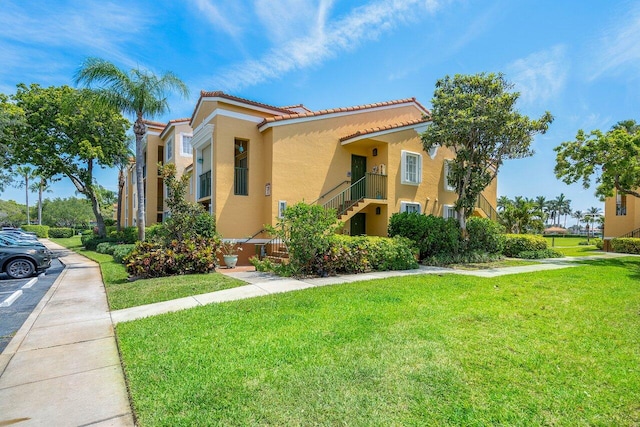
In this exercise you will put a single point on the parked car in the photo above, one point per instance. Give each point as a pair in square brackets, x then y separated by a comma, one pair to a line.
[13, 241]
[19, 262]
[19, 233]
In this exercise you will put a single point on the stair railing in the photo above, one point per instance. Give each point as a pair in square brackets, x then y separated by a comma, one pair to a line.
[485, 206]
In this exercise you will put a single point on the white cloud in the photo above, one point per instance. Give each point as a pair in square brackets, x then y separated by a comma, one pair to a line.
[618, 46]
[306, 45]
[224, 17]
[67, 27]
[540, 76]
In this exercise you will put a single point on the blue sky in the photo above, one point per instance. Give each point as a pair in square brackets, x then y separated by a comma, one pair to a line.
[577, 59]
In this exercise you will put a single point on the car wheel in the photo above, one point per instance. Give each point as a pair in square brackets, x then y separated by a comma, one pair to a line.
[20, 268]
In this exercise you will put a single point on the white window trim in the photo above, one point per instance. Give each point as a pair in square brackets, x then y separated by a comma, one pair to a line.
[445, 211]
[447, 184]
[404, 205]
[282, 205]
[182, 153]
[168, 155]
[403, 168]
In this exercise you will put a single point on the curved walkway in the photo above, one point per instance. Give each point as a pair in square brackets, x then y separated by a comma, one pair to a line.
[62, 368]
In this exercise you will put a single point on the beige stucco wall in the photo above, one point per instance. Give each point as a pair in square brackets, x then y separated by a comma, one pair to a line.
[301, 160]
[618, 225]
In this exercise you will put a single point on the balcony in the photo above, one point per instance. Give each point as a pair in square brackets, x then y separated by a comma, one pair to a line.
[205, 185]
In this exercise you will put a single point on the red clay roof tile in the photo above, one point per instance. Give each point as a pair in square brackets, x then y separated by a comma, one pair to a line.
[383, 128]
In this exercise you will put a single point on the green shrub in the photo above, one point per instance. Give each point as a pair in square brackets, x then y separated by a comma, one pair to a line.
[154, 259]
[87, 232]
[485, 235]
[360, 254]
[516, 243]
[431, 234]
[540, 254]
[60, 233]
[41, 231]
[307, 231]
[599, 243]
[626, 245]
[127, 235]
[119, 252]
[91, 242]
[105, 248]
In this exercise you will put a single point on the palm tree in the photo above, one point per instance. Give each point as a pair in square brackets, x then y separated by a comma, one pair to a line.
[541, 206]
[502, 203]
[139, 93]
[592, 216]
[27, 174]
[579, 215]
[41, 186]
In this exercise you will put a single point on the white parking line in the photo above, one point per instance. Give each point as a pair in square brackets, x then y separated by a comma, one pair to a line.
[30, 283]
[14, 296]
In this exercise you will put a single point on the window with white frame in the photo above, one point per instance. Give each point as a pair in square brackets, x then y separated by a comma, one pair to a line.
[411, 168]
[169, 149]
[410, 207]
[449, 184]
[186, 149]
[449, 211]
[282, 205]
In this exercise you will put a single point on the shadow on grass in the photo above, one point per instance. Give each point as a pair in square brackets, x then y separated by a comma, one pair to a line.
[631, 264]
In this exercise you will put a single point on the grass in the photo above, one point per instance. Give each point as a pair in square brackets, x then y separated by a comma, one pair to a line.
[124, 294]
[494, 264]
[549, 348]
[570, 246]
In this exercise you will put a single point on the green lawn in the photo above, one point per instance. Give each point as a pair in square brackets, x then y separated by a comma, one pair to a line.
[559, 347]
[124, 294]
[570, 246]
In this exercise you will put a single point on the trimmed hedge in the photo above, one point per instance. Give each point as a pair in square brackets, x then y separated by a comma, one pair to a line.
[517, 243]
[485, 235]
[431, 235]
[626, 245]
[360, 254]
[60, 232]
[540, 254]
[41, 231]
[105, 248]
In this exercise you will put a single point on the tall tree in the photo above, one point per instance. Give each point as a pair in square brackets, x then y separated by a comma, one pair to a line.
[69, 133]
[592, 216]
[26, 174]
[611, 158]
[541, 206]
[579, 217]
[137, 92]
[41, 185]
[475, 117]
[70, 212]
[12, 122]
[521, 215]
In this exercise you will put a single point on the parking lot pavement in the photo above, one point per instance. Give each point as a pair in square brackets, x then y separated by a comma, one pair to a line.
[18, 298]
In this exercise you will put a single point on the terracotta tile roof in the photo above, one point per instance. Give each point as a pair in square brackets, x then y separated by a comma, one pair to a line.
[340, 110]
[293, 107]
[154, 124]
[220, 94]
[384, 128]
[179, 120]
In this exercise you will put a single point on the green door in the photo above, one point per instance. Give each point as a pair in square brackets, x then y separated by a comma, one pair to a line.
[358, 171]
[358, 224]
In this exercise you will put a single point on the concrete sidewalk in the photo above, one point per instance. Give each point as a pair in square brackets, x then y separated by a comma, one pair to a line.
[260, 284]
[62, 368]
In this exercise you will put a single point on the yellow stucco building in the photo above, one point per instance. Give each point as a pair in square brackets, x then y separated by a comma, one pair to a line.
[250, 160]
[621, 217]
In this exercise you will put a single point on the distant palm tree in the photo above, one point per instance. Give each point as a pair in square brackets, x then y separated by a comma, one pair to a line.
[591, 217]
[541, 206]
[26, 173]
[502, 202]
[137, 92]
[41, 186]
[579, 215]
